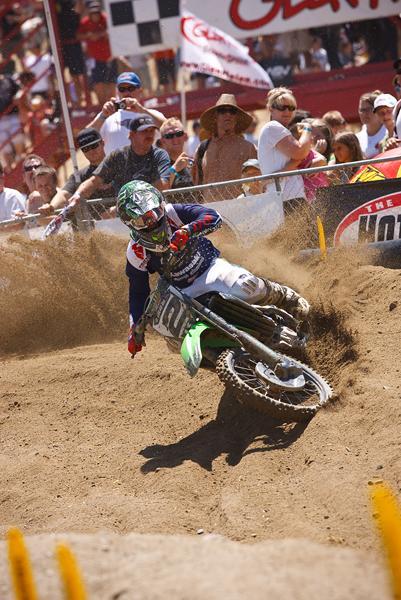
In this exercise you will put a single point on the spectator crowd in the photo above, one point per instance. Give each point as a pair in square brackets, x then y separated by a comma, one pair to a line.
[126, 140]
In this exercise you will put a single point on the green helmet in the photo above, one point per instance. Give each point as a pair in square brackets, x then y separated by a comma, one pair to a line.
[141, 207]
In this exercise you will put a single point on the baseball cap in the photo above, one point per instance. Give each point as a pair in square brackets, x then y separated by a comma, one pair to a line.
[130, 78]
[384, 100]
[251, 162]
[88, 136]
[142, 123]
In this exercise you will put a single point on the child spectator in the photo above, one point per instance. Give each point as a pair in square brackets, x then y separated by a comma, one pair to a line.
[335, 120]
[346, 148]
[45, 182]
[313, 159]
[251, 168]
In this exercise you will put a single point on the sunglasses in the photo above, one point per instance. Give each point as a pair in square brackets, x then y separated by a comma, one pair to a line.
[226, 110]
[283, 107]
[176, 134]
[92, 147]
[31, 168]
[126, 88]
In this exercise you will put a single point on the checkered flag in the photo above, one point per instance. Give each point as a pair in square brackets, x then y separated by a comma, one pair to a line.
[142, 26]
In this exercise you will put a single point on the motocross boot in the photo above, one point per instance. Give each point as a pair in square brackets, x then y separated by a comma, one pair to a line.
[286, 298]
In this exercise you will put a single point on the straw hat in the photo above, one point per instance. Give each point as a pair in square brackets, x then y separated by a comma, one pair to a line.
[208, 118]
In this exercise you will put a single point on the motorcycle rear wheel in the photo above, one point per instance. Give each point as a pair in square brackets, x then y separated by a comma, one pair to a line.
[236, 369]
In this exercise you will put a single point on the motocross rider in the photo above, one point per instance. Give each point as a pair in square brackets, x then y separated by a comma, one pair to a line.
[176, 233]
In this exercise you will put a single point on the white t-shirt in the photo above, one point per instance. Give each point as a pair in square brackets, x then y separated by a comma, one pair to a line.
[397, 119]
[10, 201]
[43, 63]
[272, 160]
[115, 129]
[369, 143]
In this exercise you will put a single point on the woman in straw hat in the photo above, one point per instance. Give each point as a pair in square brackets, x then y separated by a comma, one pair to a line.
[221, 156]
[277, 146]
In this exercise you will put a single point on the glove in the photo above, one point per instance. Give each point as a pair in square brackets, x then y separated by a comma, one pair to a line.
[133, 347]
[179, 240]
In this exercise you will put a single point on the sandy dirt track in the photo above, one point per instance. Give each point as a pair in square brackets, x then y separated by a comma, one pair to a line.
[94, 442]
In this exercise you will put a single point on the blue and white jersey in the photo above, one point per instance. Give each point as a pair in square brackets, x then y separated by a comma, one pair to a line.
[185, 266]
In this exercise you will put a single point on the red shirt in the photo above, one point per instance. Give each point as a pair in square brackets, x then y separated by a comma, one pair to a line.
[98, 49]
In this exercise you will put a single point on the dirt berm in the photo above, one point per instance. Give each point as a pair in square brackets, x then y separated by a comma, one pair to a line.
[103, 451]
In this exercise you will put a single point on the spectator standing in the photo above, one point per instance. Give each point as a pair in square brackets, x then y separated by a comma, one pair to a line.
[277, 146]
[172, 139]
[11, 201]
[373, 130]
[90, 142]
[165, 64]
[318, 56]
[113, 122]
[140, 160]
[194, 140]
[220, 158]
[10, 124]
[68, 23]
[40, 64]
[93, 31]
[383, 107]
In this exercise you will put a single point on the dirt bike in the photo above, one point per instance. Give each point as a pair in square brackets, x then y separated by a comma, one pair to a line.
[243, 344]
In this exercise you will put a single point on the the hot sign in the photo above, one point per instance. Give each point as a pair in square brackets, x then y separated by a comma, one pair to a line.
[377, 220]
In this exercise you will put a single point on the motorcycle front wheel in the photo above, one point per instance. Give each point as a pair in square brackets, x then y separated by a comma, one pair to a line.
[236, 368]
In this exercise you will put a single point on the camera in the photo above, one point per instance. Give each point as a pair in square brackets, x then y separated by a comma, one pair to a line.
[119, 104]
[190, 162]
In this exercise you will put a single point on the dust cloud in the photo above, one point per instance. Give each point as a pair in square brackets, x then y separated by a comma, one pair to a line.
[67, 291]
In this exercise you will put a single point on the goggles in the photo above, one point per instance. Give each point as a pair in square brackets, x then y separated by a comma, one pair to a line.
[148, 219]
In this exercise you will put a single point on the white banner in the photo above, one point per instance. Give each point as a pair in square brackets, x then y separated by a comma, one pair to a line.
[251, 217]
[208, 50]
[143, 26]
